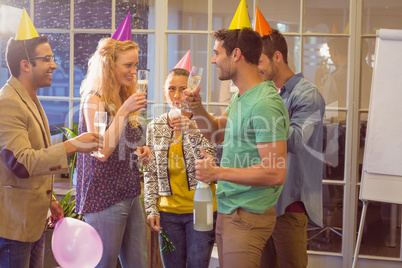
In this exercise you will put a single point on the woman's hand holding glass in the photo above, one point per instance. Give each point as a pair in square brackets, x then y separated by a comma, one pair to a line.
[144, 158]
[142, 83]
[174, 114]
[179, 122]
[135, 102]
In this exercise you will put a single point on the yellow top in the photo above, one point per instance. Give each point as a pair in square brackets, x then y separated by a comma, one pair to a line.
[181, 201]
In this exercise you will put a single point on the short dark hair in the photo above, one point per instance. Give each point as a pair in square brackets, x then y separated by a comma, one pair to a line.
[275, 42]
[17, 51]
[247, 40]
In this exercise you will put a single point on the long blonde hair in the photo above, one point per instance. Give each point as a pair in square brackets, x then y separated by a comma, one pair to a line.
[101, 78]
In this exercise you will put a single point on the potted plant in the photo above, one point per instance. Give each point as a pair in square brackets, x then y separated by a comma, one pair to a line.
[67, 201]
[72, 160]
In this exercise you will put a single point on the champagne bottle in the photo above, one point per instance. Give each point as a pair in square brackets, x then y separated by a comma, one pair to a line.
[203, 208]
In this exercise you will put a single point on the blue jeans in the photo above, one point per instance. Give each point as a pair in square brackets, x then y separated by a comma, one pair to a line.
[193, 248]
[22, 254]
[123, 233]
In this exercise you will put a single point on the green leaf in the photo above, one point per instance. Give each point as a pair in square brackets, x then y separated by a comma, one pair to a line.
[55, 196]
[68, 133]
[67, 197]
[68, 205]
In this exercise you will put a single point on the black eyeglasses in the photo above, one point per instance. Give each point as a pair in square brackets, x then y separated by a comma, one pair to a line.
[47, 58]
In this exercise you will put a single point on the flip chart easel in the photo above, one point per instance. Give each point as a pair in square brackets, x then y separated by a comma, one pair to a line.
[382, 165]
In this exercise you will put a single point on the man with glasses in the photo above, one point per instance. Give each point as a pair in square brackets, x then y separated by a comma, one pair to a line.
[27, 159]
[301, 197]
[253, 129]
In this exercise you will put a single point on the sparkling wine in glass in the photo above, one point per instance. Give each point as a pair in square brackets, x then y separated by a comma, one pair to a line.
[175, 111]
[142, 83]
[142, 166]
[100, 121]
[194, 80]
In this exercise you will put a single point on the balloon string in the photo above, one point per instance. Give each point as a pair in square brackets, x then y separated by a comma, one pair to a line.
[168, 246]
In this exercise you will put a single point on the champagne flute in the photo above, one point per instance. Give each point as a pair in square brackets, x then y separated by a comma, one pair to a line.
[194, 81]
[142, 166]
[100, 122]
[175, 111]
[142, 83]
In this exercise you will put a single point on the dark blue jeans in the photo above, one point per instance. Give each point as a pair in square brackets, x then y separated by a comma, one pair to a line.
[193, 248]
[22, 254]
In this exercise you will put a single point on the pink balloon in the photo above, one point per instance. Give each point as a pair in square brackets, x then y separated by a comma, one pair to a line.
[75, 243]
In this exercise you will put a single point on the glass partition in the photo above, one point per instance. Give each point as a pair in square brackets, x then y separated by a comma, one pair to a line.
[282, 15]
[188, 15]
[52, 14]
[329, 237]
[93, 14]
[384, 14]
[325, 16]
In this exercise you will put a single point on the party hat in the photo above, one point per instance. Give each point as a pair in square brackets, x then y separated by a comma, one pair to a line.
[26, 29]
[346, 29]
[185, 62]
[240, 19]
[334, 29]
[260, 24]
[123, 33]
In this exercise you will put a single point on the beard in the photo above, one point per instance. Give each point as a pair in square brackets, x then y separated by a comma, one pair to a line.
[271, 75]
[224, 75]
[226, 72]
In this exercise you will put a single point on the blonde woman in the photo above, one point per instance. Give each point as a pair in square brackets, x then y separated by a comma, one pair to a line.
[108, 188]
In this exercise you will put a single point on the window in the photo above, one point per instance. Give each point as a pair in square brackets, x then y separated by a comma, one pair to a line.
[166, 30]
[72, 45]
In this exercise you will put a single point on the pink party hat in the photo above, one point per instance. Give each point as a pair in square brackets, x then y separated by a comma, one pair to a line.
[185, 62]
[261, 25]
[123, 33]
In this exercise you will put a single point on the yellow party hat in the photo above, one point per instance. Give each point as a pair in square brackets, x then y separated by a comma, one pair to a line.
[346, 29]
[26, 29]
[241, 18]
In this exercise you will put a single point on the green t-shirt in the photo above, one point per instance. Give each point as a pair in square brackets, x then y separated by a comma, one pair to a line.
[259, 115]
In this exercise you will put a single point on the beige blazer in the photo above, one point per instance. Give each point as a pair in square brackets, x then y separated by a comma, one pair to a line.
[27, 162]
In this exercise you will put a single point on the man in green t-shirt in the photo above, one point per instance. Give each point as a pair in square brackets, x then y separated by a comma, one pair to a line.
[254, 131]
